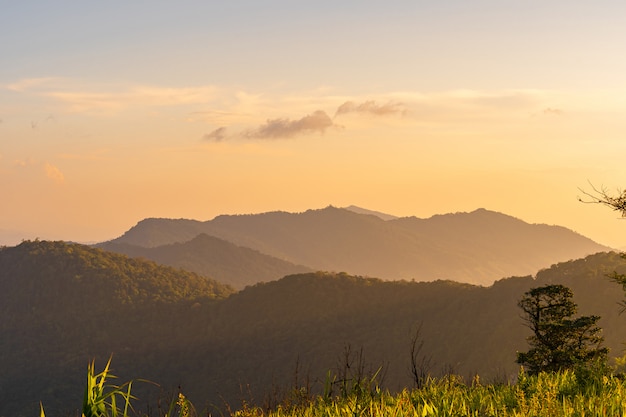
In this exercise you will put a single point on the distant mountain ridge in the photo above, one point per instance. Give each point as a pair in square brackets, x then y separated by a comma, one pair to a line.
[361, 210]
[478, 247]
[216, 258]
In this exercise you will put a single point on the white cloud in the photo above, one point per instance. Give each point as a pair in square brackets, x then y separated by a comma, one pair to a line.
[28, 84]
[54, 173]
[37, 169]
[114, 101]
[83, 97]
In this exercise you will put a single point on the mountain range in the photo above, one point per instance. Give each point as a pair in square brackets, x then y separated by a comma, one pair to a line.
[478, 247]
[213, 257]
[63, 305]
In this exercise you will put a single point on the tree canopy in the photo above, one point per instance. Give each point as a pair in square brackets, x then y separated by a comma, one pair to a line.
[558, 341]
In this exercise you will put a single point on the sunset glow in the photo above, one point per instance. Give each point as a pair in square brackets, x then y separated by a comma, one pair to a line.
[114, 112]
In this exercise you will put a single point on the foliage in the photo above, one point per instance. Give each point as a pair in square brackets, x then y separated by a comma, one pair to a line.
[95, 277]
[559, 394]
[558, 342]
[100, 399]
[617, 202]
[620, 279]
[242, 346]
[555, 394]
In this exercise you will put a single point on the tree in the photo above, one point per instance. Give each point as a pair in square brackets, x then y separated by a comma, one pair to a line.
[558, 341]
[617, 203]
[602, 196]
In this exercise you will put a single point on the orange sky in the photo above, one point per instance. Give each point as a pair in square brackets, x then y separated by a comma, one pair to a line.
[110, 114]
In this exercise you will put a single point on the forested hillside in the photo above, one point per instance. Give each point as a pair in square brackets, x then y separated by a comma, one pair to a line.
[478, 247]
[67, 304]
[64, 304]
[210, 256]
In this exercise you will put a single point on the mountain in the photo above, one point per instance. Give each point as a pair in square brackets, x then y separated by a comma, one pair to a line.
[63, 304]
[67, 304]
[478, 247]
[88, 277]
[465, 329]
[210, 256]
[360, 210]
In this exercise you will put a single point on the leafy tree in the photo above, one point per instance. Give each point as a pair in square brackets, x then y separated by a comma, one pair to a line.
[558, 341]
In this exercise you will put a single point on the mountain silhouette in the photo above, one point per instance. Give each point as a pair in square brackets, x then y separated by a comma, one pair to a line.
[361, 210]
[210, 256]
[478, 247]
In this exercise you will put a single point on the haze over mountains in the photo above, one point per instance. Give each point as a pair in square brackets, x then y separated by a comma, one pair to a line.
[215, 258]
[64, 304]
[478, 247]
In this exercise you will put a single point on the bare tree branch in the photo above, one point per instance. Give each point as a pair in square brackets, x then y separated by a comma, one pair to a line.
[603, 196]
[420, 363]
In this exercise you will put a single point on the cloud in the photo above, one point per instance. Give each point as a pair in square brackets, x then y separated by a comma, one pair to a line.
[552, 112]
[548, 112]
[34, 124]
[54, 173]
[370, 107]
[215, 117]
[318, 121]
[35, 169]
[138, 96]
[81, 97]
[21, 163]
[29, 84]
[500, 99]
[217, 135]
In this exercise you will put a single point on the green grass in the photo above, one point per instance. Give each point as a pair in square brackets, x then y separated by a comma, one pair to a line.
[546, 394]
[565, 393]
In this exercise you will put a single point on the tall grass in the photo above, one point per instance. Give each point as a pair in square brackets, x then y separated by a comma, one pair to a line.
[546, 394]
[560, 394]
[103, 399]
[100, 399]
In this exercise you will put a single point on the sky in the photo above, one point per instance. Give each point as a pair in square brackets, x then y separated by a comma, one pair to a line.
[112, 112]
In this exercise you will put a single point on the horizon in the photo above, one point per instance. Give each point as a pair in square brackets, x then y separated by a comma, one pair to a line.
[14, 238]
[113, 113]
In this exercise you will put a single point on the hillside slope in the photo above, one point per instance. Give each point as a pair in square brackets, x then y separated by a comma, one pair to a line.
[478, 247]
[209, 256]
[55, 322]
[64, 304]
